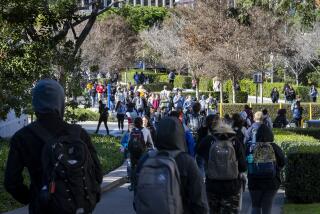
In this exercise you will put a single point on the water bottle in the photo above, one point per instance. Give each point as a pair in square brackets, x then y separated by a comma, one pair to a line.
[250, 158]
[250, 163]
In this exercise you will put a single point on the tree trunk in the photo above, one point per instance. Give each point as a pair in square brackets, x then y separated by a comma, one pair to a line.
[297, 79]
[233, 90]
[221, 99]
[197, 89]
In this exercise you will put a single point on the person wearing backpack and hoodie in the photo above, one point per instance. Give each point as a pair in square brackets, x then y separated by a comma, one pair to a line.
[223, 181]
[263, 189]
[191, 191]
[26, 151]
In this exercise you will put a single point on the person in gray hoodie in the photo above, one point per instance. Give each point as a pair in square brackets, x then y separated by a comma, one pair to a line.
[48, 100]
[171, 136]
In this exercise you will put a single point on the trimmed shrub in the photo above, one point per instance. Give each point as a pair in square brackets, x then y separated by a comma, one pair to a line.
[302, 174]
[153, 77]
[205, 84]
[241, 97]
[312, 132]
[273, 109]
[157, 86]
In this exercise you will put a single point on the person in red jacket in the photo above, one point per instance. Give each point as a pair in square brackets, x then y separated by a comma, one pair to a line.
[100, 90]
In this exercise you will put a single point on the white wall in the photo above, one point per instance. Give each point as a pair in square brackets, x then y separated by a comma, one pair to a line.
[12, 124]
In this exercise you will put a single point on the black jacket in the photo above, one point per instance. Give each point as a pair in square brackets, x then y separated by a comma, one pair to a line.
[224, 188]
[269, 184]
[25, 152]
[171, 136]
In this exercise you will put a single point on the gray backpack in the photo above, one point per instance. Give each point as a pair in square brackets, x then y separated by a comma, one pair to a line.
[222, 163]
[158, 185]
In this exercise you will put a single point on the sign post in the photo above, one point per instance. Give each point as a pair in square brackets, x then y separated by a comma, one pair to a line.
[257, 79]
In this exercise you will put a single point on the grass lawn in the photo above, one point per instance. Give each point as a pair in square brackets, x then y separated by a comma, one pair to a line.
[108, 154]
[301, 208]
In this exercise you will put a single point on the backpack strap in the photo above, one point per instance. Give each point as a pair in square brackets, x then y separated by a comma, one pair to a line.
[41, 132]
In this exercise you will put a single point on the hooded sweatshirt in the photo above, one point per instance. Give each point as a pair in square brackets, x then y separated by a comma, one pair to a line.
[26, 147]
[171, 136]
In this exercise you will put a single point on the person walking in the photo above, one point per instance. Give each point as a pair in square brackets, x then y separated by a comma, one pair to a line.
[263, 185]
[171, 77]
[121, 112]
[297, 111]
[104, 114]
[37, 146]
[281, 119]
[136, 78]
[178, 173]
[178, 100]
[148, 130]
[225, 159]
[313, 93]
[274, 95]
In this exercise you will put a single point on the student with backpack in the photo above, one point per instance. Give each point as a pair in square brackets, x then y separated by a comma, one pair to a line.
[225, 160]
[137, 146]
[104, 114]
[168, 181]
[39, 148]
[195, 120]
[264, 164]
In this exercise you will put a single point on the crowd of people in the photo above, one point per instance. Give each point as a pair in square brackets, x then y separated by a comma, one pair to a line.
[211, 155]
[183, 157]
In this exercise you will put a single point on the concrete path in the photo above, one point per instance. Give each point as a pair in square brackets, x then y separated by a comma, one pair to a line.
[117, 201]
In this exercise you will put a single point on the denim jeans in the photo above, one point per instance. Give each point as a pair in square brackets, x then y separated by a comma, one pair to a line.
[262, 201]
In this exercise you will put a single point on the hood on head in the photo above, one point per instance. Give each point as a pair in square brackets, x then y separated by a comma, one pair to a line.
[264, 134]
[48, 97]
[171, 135]
[223, 128]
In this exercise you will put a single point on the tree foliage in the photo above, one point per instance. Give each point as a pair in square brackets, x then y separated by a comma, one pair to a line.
[33, 44]
[139, 17]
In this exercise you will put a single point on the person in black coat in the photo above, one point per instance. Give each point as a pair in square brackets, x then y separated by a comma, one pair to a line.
[26, 148]
[263, 191]
[223, 195]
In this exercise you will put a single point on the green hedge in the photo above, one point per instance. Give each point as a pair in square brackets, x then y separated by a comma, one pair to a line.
[302, 174]
[312, 132]
[273, 109]
[156, 87]
[108, 154]
[240, 97]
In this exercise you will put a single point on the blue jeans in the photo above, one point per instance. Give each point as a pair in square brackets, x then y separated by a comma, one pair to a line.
[262, 201]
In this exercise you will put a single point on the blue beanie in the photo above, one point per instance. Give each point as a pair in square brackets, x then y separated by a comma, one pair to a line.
[48, 97]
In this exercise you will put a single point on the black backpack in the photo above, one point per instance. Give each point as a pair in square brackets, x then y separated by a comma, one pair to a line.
[136, 145]
[69, 183]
